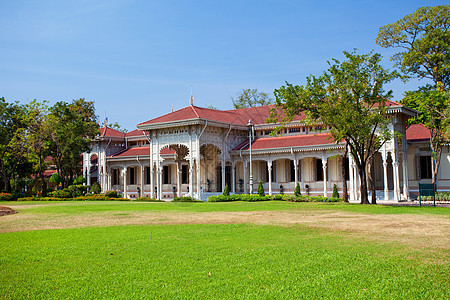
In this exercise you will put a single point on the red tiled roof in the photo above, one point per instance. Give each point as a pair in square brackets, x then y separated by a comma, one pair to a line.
[136, 132]
[109, 132]
[288, 141]
[167, 150]
[136, 151]
[417, 133]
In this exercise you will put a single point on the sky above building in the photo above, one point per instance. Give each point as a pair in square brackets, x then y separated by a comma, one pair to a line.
[140, 59]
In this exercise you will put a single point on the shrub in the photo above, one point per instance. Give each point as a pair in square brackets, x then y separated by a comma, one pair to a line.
[79, 180]
[6, 197]
[112, 194]
[95, 188]
[55, 178]
[297, 191]
[93, 198]
[226, 191]
[335, 191]
[185, 199]
[148, 199]
[260, 189]
[62, 194]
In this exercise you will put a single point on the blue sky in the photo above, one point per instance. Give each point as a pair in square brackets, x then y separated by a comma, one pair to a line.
[138, 59]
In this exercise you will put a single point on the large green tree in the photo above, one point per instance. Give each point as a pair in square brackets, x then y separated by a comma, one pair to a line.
[13, 146]
[423, 40]
[74, 125]
[251, 98]
[348, 97]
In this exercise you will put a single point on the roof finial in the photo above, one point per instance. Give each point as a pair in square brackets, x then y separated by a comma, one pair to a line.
[105, 122]
[191, 99]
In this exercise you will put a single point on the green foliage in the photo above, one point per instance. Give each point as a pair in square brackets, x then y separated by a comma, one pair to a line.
[346, 99]
[148, 199]
[116, 126]
[185, 199]
[335, 191]
[62, 194]
[260, 189]
[55, 178]
[79, 180]
[226, 190]
[251, 98]
[77, 190]
[6, 197]
[112, 194]
[278, 197]
[95, 188]
[423, 40]
[297, 191]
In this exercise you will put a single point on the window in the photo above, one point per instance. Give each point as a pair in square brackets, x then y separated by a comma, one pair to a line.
[166, 175]
[425, 167]
[132, 175]
[319, 170]
[148, 175]
[115, 176]
[297, 129]
[184, 174]
[292, 171]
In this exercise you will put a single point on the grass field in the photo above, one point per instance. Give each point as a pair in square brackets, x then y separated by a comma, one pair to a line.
[268, 250]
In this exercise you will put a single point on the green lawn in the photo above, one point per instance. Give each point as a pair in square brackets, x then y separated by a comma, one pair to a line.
[215, 261]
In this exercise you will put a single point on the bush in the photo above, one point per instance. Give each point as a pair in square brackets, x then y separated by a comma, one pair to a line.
[77, 190]
[6, 197]
[297, 191]
[335, 192]
[148, 199]
[226, 191]
[112, 194]
[61, 194]
[185, 199]
[95, 188]
[93, 198]
[79, 180]
[260, 189]
[55, 178]
[279, 197]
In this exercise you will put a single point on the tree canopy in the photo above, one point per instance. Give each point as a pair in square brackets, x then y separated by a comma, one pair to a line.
[251, 98]
[423, 40]
[348, 97]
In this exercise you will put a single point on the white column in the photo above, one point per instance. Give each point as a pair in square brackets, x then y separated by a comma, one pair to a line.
[324, 168]
[179, 179]
[301, 175]
[198, 177]
[295, 172]
[269, 168]
[158, 182]
[396, 180]
[152, 178]
[350, 176]
[233, 177]
[405, 176]
[385, 175]
[142, 180]
[244, 164]
[191, 179]
[223, 174]
[124, 174]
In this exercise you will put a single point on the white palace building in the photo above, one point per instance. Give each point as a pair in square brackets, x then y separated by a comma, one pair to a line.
[196, 151]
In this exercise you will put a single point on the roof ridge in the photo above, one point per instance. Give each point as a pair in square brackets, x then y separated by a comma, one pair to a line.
[195, 112]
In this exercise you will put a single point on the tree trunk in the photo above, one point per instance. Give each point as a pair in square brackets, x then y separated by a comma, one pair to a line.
[344, 176]
[363, 188]
[371, 180]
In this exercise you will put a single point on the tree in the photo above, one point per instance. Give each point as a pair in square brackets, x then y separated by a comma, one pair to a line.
[260, 189]
[348, 99]
[423, 38]
[38, 140]
[13, 147]
[297, 191]
[74, 125]
[251, 98]
[55, 178]
[432, 104]
[226, 191]
[116, 126]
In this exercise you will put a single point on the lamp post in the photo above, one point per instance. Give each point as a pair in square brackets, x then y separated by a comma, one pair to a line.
[250, 138]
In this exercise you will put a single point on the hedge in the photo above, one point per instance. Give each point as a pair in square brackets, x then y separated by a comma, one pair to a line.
[278, 197]
[6, 197]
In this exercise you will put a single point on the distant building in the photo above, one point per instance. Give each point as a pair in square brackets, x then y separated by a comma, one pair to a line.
[197, 151]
